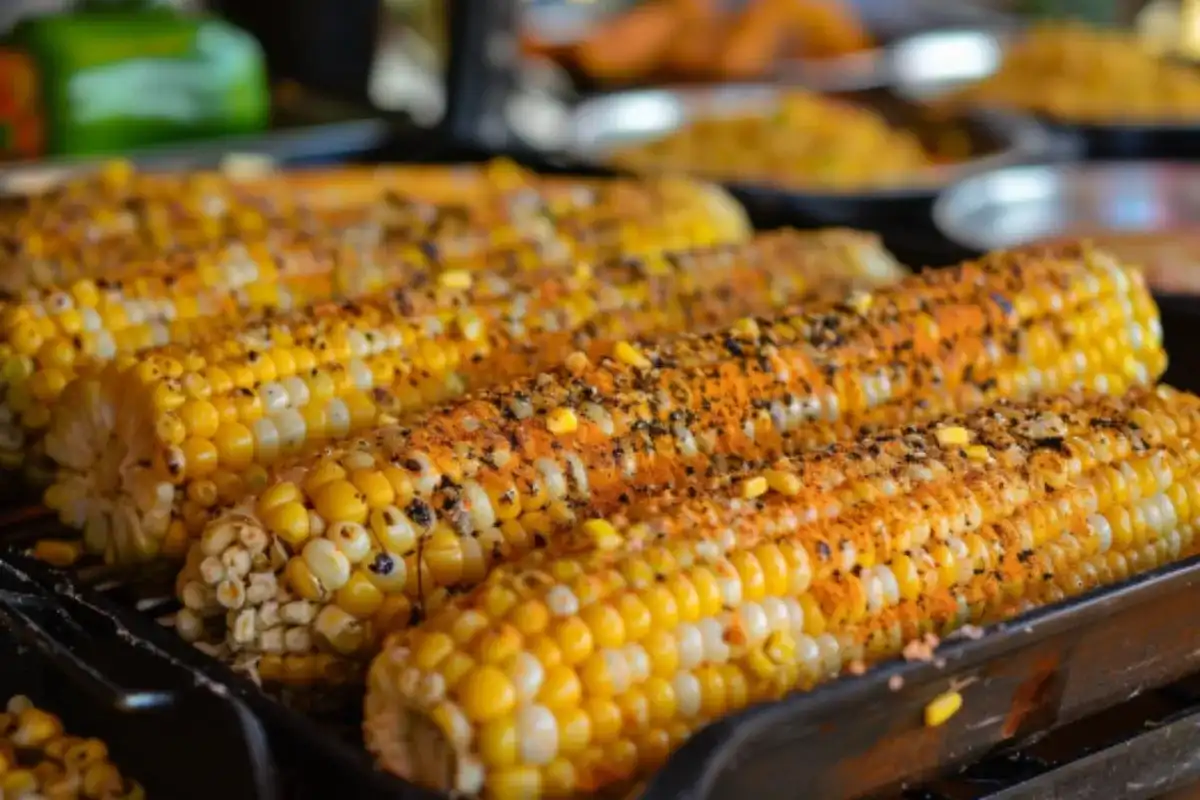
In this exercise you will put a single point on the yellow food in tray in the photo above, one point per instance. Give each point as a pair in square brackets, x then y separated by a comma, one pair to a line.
[1073, 73]
[810, 141]
[585, 663]
[40, 758]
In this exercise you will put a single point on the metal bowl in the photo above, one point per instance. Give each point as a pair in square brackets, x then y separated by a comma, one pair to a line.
[611, 121]
[1011, 207]
[621, 119]
[928, 65]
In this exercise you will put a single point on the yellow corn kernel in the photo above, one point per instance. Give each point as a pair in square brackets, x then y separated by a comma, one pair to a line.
[562, 421]
[339, 500]
[603, 534]
[486, 693]
[745, 328]
[942, 708]
[953, 436]
[978, 452]
[455, 279]
[753, 487]
[629, 354]
[289, 521]
[58, 553]
[783, 482]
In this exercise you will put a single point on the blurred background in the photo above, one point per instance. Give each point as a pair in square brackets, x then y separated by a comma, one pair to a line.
[331, 60]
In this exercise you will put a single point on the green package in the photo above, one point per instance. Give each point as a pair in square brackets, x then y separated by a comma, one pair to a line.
[108, 78]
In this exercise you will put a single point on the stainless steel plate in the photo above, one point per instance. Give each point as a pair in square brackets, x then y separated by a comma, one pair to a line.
[1010, 207]
[606, 123]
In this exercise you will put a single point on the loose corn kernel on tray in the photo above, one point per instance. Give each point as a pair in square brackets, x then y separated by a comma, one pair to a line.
[560, 472]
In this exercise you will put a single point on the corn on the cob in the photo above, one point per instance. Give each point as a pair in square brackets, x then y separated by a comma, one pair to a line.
[587, 662]
[91, 226]
[54, 334]
[40, 759]
[200, 419]
[102, 222]
[363, 535]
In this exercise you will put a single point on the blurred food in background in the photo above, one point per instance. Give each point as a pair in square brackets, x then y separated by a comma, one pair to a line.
[806, 141]
[679, 40]
[1071, 72]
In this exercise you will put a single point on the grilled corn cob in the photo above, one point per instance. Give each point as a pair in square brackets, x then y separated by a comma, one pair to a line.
[95, 224]
[364, 535]
[56, 334]
[205, 419]
[587, 662]
[99, 223]
[41, 760]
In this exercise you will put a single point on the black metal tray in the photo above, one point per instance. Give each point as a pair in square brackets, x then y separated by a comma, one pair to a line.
[859, 736]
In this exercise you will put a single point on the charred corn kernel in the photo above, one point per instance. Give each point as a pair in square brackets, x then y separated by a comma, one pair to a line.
[246, 396]
[788, 591]
[942, 708]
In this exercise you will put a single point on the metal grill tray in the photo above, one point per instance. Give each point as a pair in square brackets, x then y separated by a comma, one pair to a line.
[858, 736]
